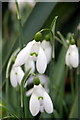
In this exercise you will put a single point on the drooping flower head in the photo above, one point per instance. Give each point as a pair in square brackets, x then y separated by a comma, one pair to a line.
[37, 52]
[40, 101]
[16, 76]
[44, 80]
[72, 56]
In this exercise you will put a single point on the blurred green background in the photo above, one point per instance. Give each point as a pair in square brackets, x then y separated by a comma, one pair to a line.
[34, 19]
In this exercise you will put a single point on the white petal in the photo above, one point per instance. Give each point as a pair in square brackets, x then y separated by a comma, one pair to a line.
[74, 58]
[45, 44]
[34, 105]
[13, 80]
[35, 49]
[41, 63]
[24, 54]
[30, 64]
[19, 75]
[29, 92]
[47, 103]
[38, 90]
[41, 105]
[78, 27]
[16, 76]
[44, 79]
[67, 58]
[47, 49]
[48, 53]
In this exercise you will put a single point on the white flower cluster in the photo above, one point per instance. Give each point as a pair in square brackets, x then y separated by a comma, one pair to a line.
[35, 52]
[39, 53]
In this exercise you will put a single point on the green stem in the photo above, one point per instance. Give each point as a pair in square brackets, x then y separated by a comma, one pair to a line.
[21, 97]
[20, 25]
[76, 80]
[45, 29]
[53, 46]
[7, 91]
[18, 10]
[56, 38]
[22, 101]
[61, 105]
[20, 35]
[72, 83]
[18, 103]
[2, 85]
[62, 38]
[25, 105]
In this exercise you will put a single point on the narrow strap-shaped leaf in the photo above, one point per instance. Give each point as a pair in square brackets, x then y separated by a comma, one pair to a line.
[25, 76]
[2, 106]
[52, 35]
[12, 58]
[74, 110]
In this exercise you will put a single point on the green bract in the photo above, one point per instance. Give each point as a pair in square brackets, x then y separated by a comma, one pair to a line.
[36, 81]
[38, 36]
[72, 41]
[47, 37]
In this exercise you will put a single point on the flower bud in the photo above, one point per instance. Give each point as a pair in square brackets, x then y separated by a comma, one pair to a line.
[47, 37]
[72, 41]
[36, 81]
[38, 36]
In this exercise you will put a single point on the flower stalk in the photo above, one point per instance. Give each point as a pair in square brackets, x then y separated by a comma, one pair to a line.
[53, 25]
[72, 83]
[20, 25]
[62, 38]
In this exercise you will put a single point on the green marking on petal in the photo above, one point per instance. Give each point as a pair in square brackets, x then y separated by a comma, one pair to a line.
[34, 53]
[16, 73]
[40, 98]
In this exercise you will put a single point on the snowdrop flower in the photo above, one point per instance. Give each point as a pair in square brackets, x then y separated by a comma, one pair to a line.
[30, 2]
[37, 52]
[47, 49]
[78, 27]
[16, 76]
[44, 80]
[21, 3]
[72, 56]
[30, 64]
[12, 6]
[40, 101]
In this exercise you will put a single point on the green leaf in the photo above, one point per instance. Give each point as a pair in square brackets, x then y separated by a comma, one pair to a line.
[12, 58]
[74, 110]
[37, 18]
[58, 73]
[25, 77]
[7, 117]
[58, 69]
[3, 106]
[64, 11]
[53, 25]
[35, 21]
